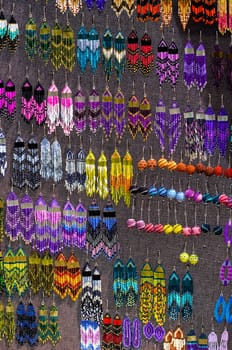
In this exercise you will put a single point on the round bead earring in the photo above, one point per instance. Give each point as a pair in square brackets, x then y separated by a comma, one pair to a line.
[184, 256]
[193, 258]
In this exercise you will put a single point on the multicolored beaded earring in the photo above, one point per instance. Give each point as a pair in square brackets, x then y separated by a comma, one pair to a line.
[200, 66]
[66, 109]
[70, 169]
[33, 164]
[133, 114]
[46, 277]
[146, 292]
[132, 55]
[34, 270]
[159, 297]
[184, 12]
[43, 322]
[3, 154]
[60, 276]
[146, 53]
[3, 26]
[90, 182]
[116, 176]
[93, 48]
[12, 32]
[56, 44]
[94, 109]
[68, 47]
[174, 300]
[44, 40]
[27, 99]
[119, 113]
[56, 161]
[40, 103]
[119, 53]
[31, 38]
[102, 176]
[173, 62]
[80, 111]
[81, 222]
[81, 168]
[174, 130]
[107, 121]
[10, 98]
[107, 50]
[162, 59]
[187, 296]
[27, 219]
[53, 326]
[145, 116]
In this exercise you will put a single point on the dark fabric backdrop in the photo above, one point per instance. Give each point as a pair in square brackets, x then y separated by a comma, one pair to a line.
[211, 249]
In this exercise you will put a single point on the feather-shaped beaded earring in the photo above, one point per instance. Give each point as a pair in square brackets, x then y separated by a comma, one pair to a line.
[119, 53]
[53, 107]
[131, 280]
[93, 48]
[107, 51]
[45, 158]
[110, 243]
[210, 140]
[46, 277]
[87, 293]
[3, 27]
[56, 44]
[80, 112]
[160, 121]
[21, 324]
[117, 7]
[40, 103]
[12, 32]
[94, 234]
[45, 39]
[21, 271]
[62, 5]
[127, 176]
[97, 295]
[119, 282]
[2, 99]
[43, 322]
[32, 326]
[66, 109]
[31, 38]
[68, 47]
[174, 130]
[34, 265]
[173, 62]
[159, 297]
[146, 292]
[94, 109]
[9, 266]
[222, 129]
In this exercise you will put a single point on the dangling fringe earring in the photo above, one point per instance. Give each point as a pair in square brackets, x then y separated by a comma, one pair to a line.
[3, 156]
[116, 177]
[53, 327]
[69, 236]
[160, 296]
[189, 127]
[90, 183]
[41, 218]
[93, 48]
[2, 98]
[107, 122]
[119, 113]
[45, 40]
[87, 293]
[145, 116]
[60, 276]
[189, 63]
[94, 109]
[94, 234]
[117, 332]
[3, 28]
[146, 293]
[34, 271]
[81, 168]
[81, 221]
[174, 301]
[40, 103]
[119, 53]
[210, 136]
[70, 169]
[54, 226]
[19, 160]
[162, 60]
[127, 176]
[46, 277]
[31, 39]
[80, 110]
[200, 66]
[12, 32]
[53, 108]
[107, 336]
[102, 176]
[45, 158]
[10, 322]
[146, 53]
[82, 52]
[27, 99]
[68, 47]
[222, 129]
[43, 331]
[33, 164]
[31, 324]
[56, 161]
[66, 110]
[21, 271]
[10, 98]
[27, 219]
[131, 280]
[56, 44]
[9, 267]
[119, 282]
[110, 243]
[166, 12]
[132, 55]
[73, 277]
[21, 324]
[187, 296]
[107, 51]
[173, 62]
[174, 131]
[133, 114]
[160, 121]
[184, 12]
[97, 296]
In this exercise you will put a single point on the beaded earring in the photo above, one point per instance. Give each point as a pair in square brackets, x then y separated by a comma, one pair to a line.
[189, 126]
[31, 38]
[53, 108]
[210, 10]
[41, 225]
[69, 236]
[198, 12]
[132, 54]
[97, 296]
[79, 110]
[81, 222]
[40, 102]
[87, 293]
[127, 176]
[212, 339]
[27, 99]
[200, 66]
[119, 282]
[133, 114]
[12, 219]
[3, 26]
[107, 336]
[184, 256]
[62, 5]
[174, 300]
[110, 243]
[68, 47]
[34, 270]
[12, 32]
[146, 292]
[53, 326]
[82, 46]
[93, 48]
[117, 332]
[74, 6]
[45, 39]
[3, 157]
[217, 66]
[174, 130]
[126, 331]
[81, 168]
[21, 324]
[70, 169]
[162, 60]
[173, 62]
[45, 158]
[21, 271]
[66, 109]
[184, 12]
[160, 122]
[94, 234]
[46, 277]
[119, 113]
[107, 122]
[56, 161]
[102, 177]
[145, 116]
[94, 109]
[54, 226]
[224, 340]
[146, 53]
[27, 219]
[226, 270]
[73, 277]
[56, 44]
[10, 322]
[33, 164]
[107, 50]
[31, 324]
[10, 98]
[192, 339]
[43, 322]
[187, 296]
[160, 296]
[60, 276]
[166, 12]
[90, 182]
[116, 176]
[9, 271]
[119, 53]
[189, 63]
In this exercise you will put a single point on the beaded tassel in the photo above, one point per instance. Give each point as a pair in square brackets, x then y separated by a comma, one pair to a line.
[162, 60]
[166, 12]
[31, 39]
[41, 225]
[60, 282]
[21, 271]
[66, 110]
[10, 323]
[34, 270]
[43, 324]
[210, 141]
[116, 177]
[174, 301]
[131, 281]
[54, 227]
[94, 109]
[146, 54]
[107, 336]
[56, 45]
[33, 165]
[82, 52]
[119, 114]
[56, 161]
[94, 49]
[27, 101]
[19, 159]
[94, 235]
[3, 155]
[12, 221]
[127, 176]
[187, 297]
[145, 117]
[97, 296]
[81, 169]
[184, 12]
[68, 48]
[107, 122]
[10, 100]
[191, 343]
[32, 329]
[73, 277]
[3, 29]
[45, 40]
[69, 225]
[53, 327]
[81, 222]
[189, 64]
[119, 282]
[45, 159]
[160, 295]
[12, 33]
[174, 131]
[133, 114]
[119, 54]
[46, 276]
[107, 53]
[70, 169]
[9, 268]
[102, 177]
[146, 293]
[110, 244]
[79, 110]
[40, 104]
[222, 129]
[200, 67]
[53, 108]
[27, 219]
[87, 293]
[90, 182]
[132, 54]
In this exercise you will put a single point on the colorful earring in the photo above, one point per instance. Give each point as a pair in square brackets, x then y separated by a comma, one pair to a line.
[31, 39]
[132, 55]
[187, 296]
[160, 122]
[69, 236]
[82, 47]
[119, 282]
[133, 114]
[53, 108]
[10, 322]
[189, 63]
[226, 270]
[90, 182]
[3, 26]
[119, 113]
[40, 103]
[145, 116]
[70, 169]
[116, 177]
[66, 109]
[107, 122]
[10, 98]
[184, 256]
[162, 60]
[81, 221]
[56, 44]
[146, 54]
[56, 161]
[34, 270]
[174, 301]
[193, 258]
[159, 298]
[93, 48]
[173, 62]
[80, 109]
[12, 32]
[179, 342]
[81, 168]
[102, 177]
[119, 53]
[224, 340]
[43, 332]
[94, 109]
[27, 99]
[166, 12]
[184, 12]
[45, 40]
[127, 176]
[53, 327]
[19, 160]
[68, 47]
[174, 130]
[217, 66]
[75, 6]
[200, 66]
[27, 219]
[107, 51]
[33, 164]
[94, 234]
[146, 292]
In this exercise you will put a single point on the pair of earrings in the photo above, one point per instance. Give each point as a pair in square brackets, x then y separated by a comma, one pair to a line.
[26, 325]
[111, 331]
[73, 5]
[188, 258]
[9, 31]
[180, 302]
